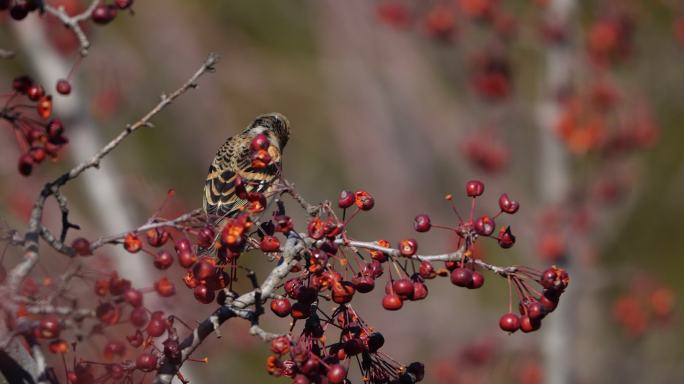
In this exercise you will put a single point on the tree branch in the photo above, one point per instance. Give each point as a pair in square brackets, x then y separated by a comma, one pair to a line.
[71, 22]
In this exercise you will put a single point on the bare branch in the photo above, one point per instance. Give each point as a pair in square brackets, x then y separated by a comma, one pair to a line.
[71, 22]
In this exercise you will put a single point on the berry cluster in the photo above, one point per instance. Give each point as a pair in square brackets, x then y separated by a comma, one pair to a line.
[307, 359]
[27, 111]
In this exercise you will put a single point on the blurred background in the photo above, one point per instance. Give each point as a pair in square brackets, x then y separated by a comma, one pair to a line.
[571, 107]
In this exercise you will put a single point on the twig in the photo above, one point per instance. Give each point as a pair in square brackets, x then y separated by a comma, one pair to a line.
[72, 22]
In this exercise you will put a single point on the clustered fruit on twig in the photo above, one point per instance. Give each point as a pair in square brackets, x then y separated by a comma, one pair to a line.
[316, 265]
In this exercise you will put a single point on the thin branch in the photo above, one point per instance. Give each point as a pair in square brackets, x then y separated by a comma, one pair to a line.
[72, 22]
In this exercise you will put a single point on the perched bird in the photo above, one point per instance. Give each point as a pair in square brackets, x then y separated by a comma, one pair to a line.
[234, 159]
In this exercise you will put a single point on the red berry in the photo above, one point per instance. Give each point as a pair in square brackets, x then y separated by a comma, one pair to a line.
[474, 188]
[103, 14]
[462, 277]
[164, 287]
[426, 270]
[139, 317]
[204, 269]
[346, 199]
[270, 244]
[25, 164]
[363, 284]
[364, 200]
[81, 246]
[403, 288]
[48, 327]
[35, 92]
[156, 327]
[163, 260]
[259, 141]
[301, 310]
[528, 324]
[484, 226]
[422, 223]
[420, 291]
[63, 87]
[506, 238]
[478, 280]
[205, 237]
[281, 307]
[203, 294]
[392, 302]
[146, 362]
[186, 259]
[123, 4]
[408, 247]
[54, 128]
[21, 83]
[507, 205]
[336, 374]
[509, 322]
[134, 297]
[132, 243]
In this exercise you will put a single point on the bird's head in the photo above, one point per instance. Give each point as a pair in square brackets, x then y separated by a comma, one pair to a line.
[273, 124]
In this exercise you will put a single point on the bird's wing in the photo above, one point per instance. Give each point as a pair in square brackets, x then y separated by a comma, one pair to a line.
[220, 198]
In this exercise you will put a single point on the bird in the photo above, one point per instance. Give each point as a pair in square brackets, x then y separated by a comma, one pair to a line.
[233, 159]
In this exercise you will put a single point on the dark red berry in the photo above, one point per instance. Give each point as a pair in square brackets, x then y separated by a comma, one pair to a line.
[422, 223]
[474, 188]
[478, 280]
[346, 199]
[206, 237]
[403, 288]
[63, 87]
[506, 238]
[35, 92]
[364, 200]
[139, 317]
[363, 284]
[462, 277]
[259, 141]
[426, 270]
[123, 4]
[103, 14]
[81, 246]
[146, 362]
[281, 307]
[19, 11]
[528, 324]
[509, 322]
[484, 226]
[156, 327]
[336, 374]
[420, 291]
[408, 247]
[163, 260]
[25, 165]
[134, 297]
[507, 205]
[203, 294]
[164, 287]
[21, 83]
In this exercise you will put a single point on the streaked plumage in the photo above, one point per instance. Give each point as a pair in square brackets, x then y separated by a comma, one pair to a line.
[233, 158]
